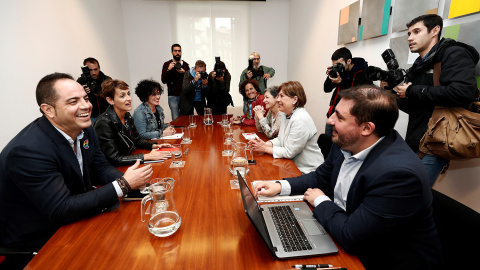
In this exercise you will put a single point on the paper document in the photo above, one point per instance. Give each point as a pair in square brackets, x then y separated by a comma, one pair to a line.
[173, 137]
[277, 198]
[250, 136]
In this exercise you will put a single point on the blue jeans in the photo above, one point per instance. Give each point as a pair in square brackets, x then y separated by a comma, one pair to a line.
[434, 166]
[173, 104]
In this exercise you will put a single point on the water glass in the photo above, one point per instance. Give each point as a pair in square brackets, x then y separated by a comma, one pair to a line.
[186, 135]
[177, 154]
[207, 117]
[224, 119]
[192, 120]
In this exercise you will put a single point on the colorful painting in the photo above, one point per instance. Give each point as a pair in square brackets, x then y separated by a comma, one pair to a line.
[375, 16]
[405, 10]
[348, 24]
[457, 8]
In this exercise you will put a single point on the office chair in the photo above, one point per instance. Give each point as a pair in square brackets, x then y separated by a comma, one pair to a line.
[324, 141]
[459, 231]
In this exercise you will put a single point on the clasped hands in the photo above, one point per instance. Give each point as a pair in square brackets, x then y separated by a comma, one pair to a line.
[259, 111]
[273, 188]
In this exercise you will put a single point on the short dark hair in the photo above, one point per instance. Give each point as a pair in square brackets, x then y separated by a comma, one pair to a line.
[91, 60]
[109, 86]
[200, 63]
[342, 53]
[273, 90]
[430, 21]
[46, 92]
[145, 88]
[373, 104]
[253, 82]
[176, 45]
[294, 89]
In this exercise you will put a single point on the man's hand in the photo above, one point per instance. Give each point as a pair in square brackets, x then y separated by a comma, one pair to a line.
[267, 189]
[249, 74]
[87, 89]
[197, 76]
[336, 80]
[311, 194]
[205, 82]
[181, 70]
[137, 176]
[266, 76]
[402, 89]
[171, 65]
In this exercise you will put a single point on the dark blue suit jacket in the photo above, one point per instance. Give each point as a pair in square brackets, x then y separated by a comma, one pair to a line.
[42, 187]
[388, 219]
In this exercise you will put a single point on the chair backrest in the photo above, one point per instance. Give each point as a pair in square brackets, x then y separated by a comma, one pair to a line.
[324, 141]
[459, 231]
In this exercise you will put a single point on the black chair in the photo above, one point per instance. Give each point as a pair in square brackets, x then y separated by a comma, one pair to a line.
[459, 231]
[324, 141]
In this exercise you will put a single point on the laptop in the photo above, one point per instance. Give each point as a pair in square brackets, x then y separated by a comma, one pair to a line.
[304, 237]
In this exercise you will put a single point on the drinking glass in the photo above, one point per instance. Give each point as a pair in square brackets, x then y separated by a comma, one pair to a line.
[177, 154]
[228, 130]
[186, 135]
[192, 120]
[224, 119]
[207, 117]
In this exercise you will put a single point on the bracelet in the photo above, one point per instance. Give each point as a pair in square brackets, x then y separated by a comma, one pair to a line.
[124, 185]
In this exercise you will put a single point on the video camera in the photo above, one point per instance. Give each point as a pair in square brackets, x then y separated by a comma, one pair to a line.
[394, 76]
[338, 67]
[95, 88]
[218, 67]
[255, 71]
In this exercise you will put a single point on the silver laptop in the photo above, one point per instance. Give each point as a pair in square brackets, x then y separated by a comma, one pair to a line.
[289, 229]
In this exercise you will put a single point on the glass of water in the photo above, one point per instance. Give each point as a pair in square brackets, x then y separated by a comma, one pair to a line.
[186, 135]
[177, 154]
[192, 120]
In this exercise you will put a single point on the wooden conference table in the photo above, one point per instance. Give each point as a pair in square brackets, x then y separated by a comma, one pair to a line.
[215, 232]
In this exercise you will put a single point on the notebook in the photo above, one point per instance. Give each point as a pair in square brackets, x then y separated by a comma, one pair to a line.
[311, 238]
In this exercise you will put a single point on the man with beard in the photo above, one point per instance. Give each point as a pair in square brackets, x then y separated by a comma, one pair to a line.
[172, 75]
[99, 104]
[371, 194]
[259, 73]
[47, 172]
[454, 65]
[351, 74]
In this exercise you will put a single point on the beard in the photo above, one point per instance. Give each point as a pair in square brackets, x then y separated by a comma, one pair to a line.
[345, 140]
[177, 57]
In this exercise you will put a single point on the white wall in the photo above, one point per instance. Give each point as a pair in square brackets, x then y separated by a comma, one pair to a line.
[312, 40]
[41, 37]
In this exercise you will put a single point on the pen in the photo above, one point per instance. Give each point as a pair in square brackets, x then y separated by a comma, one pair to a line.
[303, 266]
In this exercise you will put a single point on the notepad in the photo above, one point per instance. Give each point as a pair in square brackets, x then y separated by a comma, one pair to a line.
[250, 136]
[277, 198]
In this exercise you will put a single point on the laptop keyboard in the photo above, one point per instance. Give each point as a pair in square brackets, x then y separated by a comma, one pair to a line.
[290, 232]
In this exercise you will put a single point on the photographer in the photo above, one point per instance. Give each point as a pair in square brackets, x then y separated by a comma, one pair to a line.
[172, 75]
[419, 96]
[256, 72]
[218, 96]
[92, 85]
[344, 73]
[194, 90]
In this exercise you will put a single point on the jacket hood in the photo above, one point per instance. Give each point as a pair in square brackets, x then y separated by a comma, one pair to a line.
[359, 64]
[437, 51]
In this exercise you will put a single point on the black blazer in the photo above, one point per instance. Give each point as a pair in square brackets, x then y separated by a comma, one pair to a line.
[388, 219]
[42, 187]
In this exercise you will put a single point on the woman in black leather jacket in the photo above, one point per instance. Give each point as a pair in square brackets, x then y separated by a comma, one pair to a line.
[116, 130]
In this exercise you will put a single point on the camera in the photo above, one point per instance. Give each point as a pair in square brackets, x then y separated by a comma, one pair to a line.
[203, 75]
[394, 76]
[178, 66]
[218, 67]
[257, 72]
[95, 88]
[338, 67]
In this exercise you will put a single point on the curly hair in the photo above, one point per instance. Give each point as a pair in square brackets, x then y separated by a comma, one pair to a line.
[147, 87]
[244, 83]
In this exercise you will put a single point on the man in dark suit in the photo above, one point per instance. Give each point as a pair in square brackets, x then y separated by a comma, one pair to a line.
[371, 193]
[48, 169]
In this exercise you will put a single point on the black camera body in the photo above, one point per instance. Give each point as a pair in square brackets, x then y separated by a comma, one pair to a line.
[95, 87]
[178, 66]
[203, 75]
[218, 70]
[258, 72]
[338, 67]
[394, 76]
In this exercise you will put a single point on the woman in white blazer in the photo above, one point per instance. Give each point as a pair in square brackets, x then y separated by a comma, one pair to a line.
[297, 135]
